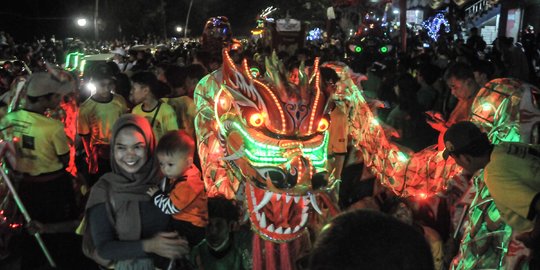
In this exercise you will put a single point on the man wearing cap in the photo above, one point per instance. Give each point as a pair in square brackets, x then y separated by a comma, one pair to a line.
[119, 59]
[42, 154]
[96, 118]
[511, 173]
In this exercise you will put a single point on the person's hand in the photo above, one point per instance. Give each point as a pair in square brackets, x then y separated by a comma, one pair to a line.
[34, 227]
[528, 239]
[436, 121]
[166, 244]
[151, 191]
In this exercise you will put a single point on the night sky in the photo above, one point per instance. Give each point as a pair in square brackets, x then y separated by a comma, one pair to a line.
[26, 19]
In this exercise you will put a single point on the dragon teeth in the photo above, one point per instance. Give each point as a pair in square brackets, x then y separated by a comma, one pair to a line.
[297, 228]
[296, 199]
[278, 196]
[279, 230]
[271, 228]
[314, 204]
[288, 198]
[267, 197]
[262, 222]
[304, 219]
[287, 231]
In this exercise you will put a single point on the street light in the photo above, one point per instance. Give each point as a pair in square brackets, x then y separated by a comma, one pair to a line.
[81, 22]
[179, 29]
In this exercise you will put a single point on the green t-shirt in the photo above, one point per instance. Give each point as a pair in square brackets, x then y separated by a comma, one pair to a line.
[237, 256]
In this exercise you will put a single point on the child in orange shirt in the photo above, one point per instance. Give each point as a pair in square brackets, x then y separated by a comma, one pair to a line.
[181, 193]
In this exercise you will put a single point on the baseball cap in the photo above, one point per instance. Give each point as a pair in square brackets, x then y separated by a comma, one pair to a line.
[465, 138]
[43, 83]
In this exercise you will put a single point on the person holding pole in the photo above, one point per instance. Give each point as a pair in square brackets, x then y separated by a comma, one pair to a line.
[45, 188]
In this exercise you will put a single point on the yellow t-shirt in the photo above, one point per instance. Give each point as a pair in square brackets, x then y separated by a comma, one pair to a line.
[97, 118]
[39, 141]
[513, 179]
[185, 112]
[165, 119]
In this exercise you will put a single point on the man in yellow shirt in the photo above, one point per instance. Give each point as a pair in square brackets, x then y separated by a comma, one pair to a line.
[42, 154]
[96, 118]
[511, 173]
[145, 93]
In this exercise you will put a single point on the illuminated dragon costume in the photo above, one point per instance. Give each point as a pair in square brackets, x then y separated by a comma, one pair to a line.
[508, 110]
[264, 141]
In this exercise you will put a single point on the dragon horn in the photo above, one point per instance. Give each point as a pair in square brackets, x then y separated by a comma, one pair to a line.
[273, 74]
[303, 82]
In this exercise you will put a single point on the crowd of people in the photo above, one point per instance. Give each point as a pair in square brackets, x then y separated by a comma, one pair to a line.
[133, 187]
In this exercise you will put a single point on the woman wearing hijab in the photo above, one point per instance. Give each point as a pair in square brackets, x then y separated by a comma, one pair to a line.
[125, 225]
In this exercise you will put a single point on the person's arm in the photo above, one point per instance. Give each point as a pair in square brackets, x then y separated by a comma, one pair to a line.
[85, 138]
[64, 159]
[531, 239]
[83, 127]
[60, 227]
[164, 203]
[164, 244]
[169, 118]
[60, 142]
[104, 236]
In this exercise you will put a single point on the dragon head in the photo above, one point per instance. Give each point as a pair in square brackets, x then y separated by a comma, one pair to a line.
[275, 139]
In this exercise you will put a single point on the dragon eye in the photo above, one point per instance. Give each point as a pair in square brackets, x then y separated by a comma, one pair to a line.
[323, 125]
[256, 120]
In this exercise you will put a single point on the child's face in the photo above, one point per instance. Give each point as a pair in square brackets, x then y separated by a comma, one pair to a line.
[173, 166]
[217, 233]
[138, 93]
[104, 86]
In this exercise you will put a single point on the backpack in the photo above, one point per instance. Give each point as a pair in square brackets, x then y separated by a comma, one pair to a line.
[88, 246]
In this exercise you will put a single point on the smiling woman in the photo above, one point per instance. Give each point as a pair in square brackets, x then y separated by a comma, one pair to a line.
[130, 150]
[124, 224]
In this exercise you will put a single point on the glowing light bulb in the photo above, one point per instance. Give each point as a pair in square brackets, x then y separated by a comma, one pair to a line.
[323, 125]
[256, 120]
[402, 157]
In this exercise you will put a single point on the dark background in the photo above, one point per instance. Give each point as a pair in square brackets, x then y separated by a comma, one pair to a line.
[29, 19]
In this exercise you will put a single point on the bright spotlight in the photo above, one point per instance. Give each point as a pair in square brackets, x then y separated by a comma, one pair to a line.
[178, 29]
[81, 22]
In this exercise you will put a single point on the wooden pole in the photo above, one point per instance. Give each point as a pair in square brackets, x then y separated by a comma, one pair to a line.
[403, 24]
